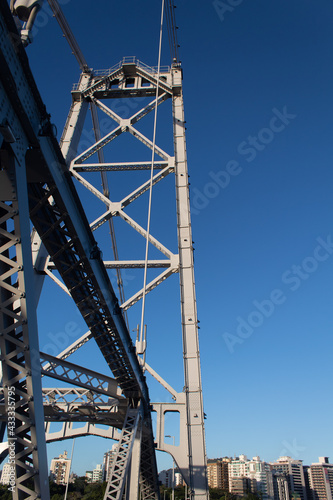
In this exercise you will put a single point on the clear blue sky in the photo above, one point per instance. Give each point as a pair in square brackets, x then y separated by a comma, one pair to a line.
[258, 89]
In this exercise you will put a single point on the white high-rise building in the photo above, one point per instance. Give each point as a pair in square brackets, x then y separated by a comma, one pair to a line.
[60, 468]
[5, 476]
[258, 472]
[237, 468]
[178, 479]
[97, 474]
[261, 472]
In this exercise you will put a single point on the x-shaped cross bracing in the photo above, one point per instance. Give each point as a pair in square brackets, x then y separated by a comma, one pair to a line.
[170, 265]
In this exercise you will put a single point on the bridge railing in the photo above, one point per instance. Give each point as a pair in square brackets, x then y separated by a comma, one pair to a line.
[127, 60]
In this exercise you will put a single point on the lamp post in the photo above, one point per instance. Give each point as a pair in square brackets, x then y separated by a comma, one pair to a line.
[173, 467]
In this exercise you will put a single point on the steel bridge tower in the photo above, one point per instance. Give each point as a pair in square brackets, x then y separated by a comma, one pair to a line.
[37, 186]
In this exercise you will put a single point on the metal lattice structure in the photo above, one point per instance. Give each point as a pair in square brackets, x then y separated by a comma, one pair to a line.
[36, 185]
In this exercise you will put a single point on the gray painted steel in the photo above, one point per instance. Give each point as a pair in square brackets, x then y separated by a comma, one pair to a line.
[64, 241]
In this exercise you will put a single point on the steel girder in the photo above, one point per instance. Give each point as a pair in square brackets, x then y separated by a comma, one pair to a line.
[87, 281]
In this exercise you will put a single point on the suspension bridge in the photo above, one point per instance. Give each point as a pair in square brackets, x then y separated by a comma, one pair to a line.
[38, 188]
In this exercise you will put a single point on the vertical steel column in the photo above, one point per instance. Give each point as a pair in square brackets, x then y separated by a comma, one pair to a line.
[75, 121]
[19, 337]
[193, 389]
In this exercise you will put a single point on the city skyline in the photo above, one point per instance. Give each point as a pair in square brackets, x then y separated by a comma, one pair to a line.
[95, 475]
[283, 479]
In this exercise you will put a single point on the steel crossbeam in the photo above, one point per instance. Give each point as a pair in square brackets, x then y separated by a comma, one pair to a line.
[77, 375]
[55, 396]
[74, 346]
[88, 429]
[121, 166]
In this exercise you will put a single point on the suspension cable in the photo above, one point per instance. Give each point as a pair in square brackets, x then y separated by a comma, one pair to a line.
[169, 30]
[172, 30]
[151, 178]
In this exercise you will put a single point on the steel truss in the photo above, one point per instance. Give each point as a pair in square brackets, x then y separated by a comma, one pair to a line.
[18, 340]
[36, 182]
[116, 484]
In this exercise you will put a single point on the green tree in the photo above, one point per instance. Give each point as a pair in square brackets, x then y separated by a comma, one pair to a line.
[217, 493]
[57, 496]
[74, 495]
[79, 484]
[5, 494]
[57, 489]
[94, 491]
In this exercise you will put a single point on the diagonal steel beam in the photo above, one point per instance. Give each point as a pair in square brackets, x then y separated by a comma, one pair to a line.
[150, 286]
[116, 484]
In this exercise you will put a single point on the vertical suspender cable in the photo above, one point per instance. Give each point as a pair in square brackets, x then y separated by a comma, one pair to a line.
[151, 178]
[172, 30]
[169, 30]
